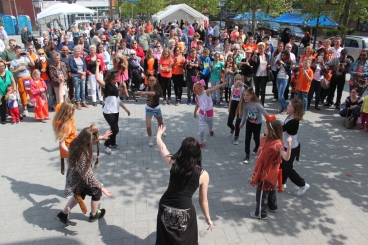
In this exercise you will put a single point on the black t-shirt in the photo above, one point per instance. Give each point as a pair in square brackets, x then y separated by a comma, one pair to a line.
[92, 66]
[291, 127]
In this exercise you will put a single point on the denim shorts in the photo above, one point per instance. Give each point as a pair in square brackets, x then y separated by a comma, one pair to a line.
[153, 112]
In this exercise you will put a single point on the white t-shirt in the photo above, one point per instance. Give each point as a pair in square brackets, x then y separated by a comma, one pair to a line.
[22, 61]
[317, 73]
[236, 93]
[111, 105]
[262, 68]
[337, 52]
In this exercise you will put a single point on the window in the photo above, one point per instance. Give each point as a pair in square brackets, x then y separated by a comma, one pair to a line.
[362, 26]
[354, 44]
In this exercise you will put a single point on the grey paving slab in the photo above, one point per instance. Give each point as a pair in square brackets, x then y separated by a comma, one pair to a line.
[333, 161]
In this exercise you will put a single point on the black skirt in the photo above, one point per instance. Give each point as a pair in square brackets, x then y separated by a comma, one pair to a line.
[176, 226]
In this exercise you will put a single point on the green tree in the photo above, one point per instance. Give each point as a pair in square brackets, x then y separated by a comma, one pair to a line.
[146, 7]
[270, 7]
[342, 11]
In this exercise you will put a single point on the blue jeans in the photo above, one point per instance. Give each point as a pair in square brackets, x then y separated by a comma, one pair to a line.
[355, 112]
[50, 95]
[79, 89]
[281, 84]
[216, 93]
[303, 96]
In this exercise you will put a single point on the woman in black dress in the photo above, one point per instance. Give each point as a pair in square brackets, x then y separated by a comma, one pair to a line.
[176, 218]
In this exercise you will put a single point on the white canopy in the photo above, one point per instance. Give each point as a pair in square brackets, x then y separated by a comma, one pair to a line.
[179, 12]
[64, 8]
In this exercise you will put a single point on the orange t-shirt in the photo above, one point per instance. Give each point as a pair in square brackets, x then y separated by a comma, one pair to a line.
[148, 29]
[304, 84]
[150, 69]
[253, 46]
[34, 58]
[44, 75]
[234, 35]
[72, 134]
[293, 82]
[178, 67]
[166, 64]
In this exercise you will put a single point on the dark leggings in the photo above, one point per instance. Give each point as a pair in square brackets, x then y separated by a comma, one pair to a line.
[190, 88]
[314, 88]
[265, 199]
[3, 109]
[112, 119]
[89, 191]
[227, 92]
[274, 86]
[178, 85]
[255, 129]
[230, 119]
[338, 82]
[260, 84]
[288, 170]
[166, 86]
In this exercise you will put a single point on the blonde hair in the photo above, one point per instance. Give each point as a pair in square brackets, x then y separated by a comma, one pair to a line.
[261, 44]
[36, 71]
[239, 109]
[62, 120]
[298, 109]
[308, 48]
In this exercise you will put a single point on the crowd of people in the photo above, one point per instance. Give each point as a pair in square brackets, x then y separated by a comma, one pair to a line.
[218, 67]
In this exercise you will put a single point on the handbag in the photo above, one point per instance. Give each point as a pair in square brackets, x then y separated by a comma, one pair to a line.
[269, 75]
[325, 84]
[349, 122]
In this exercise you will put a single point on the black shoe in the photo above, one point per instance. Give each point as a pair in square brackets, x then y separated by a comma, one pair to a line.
[327, 104]
[102, 102]
[308, 107]
[254, 152]
[337, 107]
[99, 215]
[246, 159]
[317, 108]
[94, 104]
[63, 218]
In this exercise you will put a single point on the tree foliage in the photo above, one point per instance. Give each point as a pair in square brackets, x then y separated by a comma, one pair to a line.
[144, 7]
[342, 11]
[270, 7]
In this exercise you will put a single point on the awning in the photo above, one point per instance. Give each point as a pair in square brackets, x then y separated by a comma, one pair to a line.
[248, 16]
[64, 8]
[303, 19]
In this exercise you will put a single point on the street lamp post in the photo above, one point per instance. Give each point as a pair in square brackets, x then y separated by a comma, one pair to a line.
[221, 4]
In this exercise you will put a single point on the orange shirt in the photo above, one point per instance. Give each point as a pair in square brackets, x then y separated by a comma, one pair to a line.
[234, 35]
[178, 67]
[165, 65]
[304, 84]
[181, 45]
[34, 58]
[293, 82]
[44, 75]
[71, 130]
[253, 46]
[148, 29]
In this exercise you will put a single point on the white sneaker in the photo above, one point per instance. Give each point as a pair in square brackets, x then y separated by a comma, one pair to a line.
[108, 150]
[150, 142]
[236, 142]
[274, 100]
[303, 189]
[25, 113]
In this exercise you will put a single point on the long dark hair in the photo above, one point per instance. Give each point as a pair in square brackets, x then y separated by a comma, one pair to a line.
[83, 144]
[187, 162]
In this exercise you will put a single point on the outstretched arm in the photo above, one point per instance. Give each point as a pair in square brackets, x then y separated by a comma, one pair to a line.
[98, 78]
[210, 90]
[165, 154]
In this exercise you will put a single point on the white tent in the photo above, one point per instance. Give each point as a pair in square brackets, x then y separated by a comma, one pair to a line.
[179, 12]
[64, 8]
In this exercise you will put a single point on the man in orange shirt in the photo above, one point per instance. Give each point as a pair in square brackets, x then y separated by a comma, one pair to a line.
[148, 28]
[251, 44]
[305, 80]
[32, 55]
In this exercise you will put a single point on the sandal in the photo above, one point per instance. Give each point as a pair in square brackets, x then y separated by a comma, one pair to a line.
[43, 121]
[47, 118]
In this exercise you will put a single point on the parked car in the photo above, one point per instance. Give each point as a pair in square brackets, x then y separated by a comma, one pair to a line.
[354, 44]
[272, 27]
[294, 30]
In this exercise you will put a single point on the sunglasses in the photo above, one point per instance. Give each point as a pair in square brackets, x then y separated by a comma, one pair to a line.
[41, 53]
[158, 46]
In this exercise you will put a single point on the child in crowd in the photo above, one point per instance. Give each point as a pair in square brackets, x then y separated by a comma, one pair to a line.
[192, 71]
[39, 97]
[205, 63]
[11, 97]
[294, 81]
[290, 129]
[265, 173]
[153, 92]
[204, 103]
[236, 92]
[364, 114]
[230, 70]
[250, 109]
[305, 79]
[216, 70]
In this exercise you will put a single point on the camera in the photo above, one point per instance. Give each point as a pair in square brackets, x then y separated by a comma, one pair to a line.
[278, 62]
[23, 54]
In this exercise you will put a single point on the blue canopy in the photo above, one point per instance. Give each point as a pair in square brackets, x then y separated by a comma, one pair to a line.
[248, 16]
[302, 19]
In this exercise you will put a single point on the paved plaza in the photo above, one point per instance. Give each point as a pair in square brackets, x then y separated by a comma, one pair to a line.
[333, 161]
